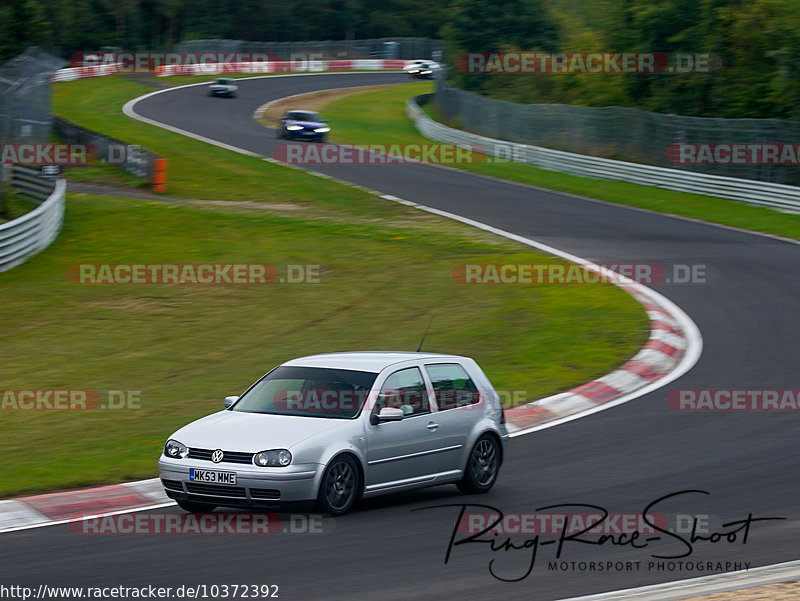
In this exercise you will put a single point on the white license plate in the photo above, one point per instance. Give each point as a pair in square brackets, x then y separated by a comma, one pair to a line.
[212, 477]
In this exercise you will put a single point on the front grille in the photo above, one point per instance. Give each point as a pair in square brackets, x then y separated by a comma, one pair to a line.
[269, 494]
[229, 456]
[216, 490]
[173, 485]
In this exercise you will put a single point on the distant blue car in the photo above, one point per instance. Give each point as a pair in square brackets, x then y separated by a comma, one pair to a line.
[303, 125]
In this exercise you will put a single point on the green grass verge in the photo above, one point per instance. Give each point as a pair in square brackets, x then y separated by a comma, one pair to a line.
[14, 205]
[386, 268]
[379, 117]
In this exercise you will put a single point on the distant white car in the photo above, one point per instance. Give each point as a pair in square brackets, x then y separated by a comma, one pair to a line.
[333, 428]
[223, 87]
[413, 67]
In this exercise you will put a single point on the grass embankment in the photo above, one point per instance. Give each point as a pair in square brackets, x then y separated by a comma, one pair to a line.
[385, 269]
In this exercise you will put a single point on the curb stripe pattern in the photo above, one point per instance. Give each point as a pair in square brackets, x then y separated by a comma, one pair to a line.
[658, 357]
[60, 507]
[648, 366]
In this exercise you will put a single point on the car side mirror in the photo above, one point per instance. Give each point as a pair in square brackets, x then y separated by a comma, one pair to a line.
[390, 414]
[230, 400]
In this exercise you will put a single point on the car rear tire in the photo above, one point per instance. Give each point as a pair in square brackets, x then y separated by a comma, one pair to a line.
[482, 466]
[340, 486]
[193, 507]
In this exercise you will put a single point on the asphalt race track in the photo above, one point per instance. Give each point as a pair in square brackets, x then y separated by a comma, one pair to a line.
[620, 459]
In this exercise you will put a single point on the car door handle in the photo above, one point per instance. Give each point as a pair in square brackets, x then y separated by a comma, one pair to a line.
[431, 426]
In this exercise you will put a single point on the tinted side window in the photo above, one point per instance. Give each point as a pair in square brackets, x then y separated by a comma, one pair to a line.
[452, 386]
[405, 389]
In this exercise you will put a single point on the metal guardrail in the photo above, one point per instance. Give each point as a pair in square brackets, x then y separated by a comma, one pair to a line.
[30, 183]
[624, 133]
[22, 238]
[73, 73]
[133, 159]
[777, 196]
[281, 67]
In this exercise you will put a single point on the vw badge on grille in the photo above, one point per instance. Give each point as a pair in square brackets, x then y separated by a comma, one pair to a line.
[217, 456]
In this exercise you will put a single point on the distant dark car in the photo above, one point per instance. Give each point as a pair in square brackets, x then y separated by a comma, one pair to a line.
[303, 125]
[223, 87]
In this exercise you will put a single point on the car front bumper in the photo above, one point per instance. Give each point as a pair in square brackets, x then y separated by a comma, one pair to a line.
[306, 135]
[255, 487]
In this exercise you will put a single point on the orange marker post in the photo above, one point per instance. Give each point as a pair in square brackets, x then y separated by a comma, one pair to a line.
[160, 175]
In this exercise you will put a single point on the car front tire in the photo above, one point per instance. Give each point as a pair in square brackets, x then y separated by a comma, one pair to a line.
[193, 507]
[340, 486]
[482, 466]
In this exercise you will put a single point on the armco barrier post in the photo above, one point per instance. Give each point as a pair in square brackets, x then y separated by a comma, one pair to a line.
[159, 175]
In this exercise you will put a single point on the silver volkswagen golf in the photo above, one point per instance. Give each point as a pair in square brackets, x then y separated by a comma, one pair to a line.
[335, 427]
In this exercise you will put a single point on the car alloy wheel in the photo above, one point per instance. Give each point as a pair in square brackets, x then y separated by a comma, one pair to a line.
[339, 488]
[483, 466]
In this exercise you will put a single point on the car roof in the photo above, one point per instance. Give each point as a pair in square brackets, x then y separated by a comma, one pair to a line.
[371, 361]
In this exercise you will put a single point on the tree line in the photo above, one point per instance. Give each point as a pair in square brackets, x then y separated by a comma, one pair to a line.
[755, 44]
[753, 48]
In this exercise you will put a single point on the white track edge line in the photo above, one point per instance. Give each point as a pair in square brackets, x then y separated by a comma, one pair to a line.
[694, 338]
[746, 578]
[692, 354]
[690, 357]
[90, 517]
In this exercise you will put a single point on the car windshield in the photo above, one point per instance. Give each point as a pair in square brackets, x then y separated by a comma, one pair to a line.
[224, 82]
[308, 392]
[305, 116]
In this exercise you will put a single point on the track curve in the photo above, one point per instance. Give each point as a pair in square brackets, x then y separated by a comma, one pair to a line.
[620, 459]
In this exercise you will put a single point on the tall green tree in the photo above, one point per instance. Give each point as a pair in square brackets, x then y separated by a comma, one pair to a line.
[496, 25]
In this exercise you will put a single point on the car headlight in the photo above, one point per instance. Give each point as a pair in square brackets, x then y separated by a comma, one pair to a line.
[322, 130]
[175, 449]
[294, 127]
[273, 458]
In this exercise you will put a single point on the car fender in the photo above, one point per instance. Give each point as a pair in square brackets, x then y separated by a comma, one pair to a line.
[324, 447]
[480, 428]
